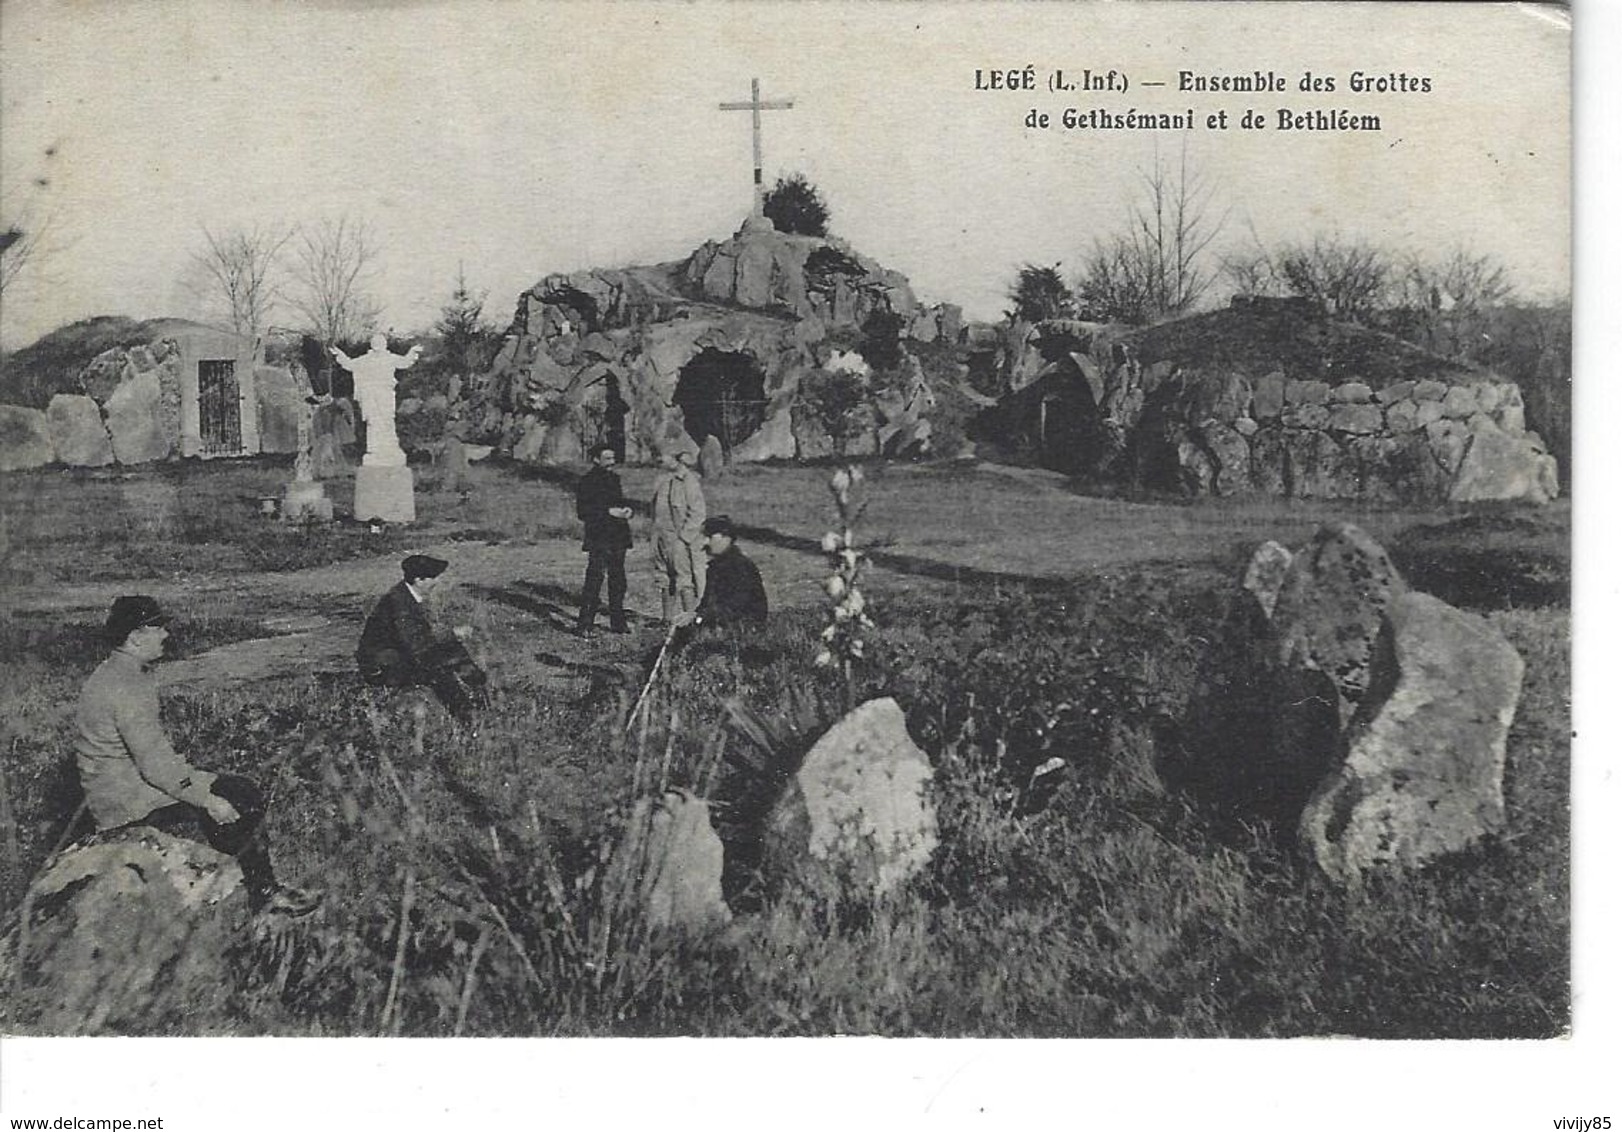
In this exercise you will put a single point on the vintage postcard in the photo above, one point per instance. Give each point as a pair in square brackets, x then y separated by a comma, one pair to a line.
[955, 521]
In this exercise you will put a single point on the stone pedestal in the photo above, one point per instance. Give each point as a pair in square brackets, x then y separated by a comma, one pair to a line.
[305, 500]
[384, 493]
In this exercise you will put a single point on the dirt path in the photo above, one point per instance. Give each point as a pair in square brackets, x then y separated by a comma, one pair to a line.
[312, 618]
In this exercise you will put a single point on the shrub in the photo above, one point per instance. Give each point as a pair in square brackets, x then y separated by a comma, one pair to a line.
[794, 205]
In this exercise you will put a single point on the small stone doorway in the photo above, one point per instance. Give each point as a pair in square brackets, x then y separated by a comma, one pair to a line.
[722, 393]
[219, 407]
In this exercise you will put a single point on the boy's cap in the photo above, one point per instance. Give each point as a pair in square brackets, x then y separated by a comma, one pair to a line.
[422, 566]
[719, 525]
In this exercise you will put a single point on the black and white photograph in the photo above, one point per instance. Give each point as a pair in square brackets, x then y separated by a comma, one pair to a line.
[954, 521]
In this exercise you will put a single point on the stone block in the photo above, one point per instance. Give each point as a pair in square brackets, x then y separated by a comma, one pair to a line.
[1361, 418]
[385, 493]
[77, 432]
[135, 421]
[25, 439]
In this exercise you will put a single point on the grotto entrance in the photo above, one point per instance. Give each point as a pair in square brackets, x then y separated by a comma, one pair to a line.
[1067, 421]
[722, 393]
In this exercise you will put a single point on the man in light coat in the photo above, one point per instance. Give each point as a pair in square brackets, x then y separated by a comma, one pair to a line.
[132, 775]
[678, 512]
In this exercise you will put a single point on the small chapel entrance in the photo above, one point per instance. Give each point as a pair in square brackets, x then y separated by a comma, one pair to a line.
[722, 393]
[219, 407]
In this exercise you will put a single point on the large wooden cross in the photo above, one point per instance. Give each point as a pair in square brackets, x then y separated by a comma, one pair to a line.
[755, 106]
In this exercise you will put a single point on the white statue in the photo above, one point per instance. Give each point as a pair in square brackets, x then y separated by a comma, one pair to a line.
[374, 389]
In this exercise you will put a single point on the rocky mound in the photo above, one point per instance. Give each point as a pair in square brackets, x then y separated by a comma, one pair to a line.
[1268, 396]
[670, 354]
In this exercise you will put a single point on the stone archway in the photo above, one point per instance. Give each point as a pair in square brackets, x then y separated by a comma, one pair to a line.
[1067, 425]
[722, 393]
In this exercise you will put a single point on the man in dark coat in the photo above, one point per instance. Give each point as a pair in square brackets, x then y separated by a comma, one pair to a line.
[132, 774]
[600, 505]
[733, 592]
[399, 648]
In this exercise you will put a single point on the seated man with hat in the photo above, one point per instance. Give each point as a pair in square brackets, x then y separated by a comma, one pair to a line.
[733, 592]
[399, 648]
[132, 775]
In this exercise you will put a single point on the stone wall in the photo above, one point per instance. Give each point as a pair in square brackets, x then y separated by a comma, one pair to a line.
[139, 404]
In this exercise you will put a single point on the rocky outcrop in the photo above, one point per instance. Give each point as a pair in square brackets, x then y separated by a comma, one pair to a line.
[1271, 396]
[857, 818]
[716, 345]
[1424, 768]
[25, 439]
[128, 934]
[1340, 703]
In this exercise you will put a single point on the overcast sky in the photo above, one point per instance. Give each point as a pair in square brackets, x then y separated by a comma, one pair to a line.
[520, 139]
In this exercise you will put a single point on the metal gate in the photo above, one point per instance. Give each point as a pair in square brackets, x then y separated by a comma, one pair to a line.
[219, 408]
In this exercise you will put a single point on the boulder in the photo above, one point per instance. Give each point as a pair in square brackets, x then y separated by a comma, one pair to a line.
[25, 438]
[1498, 466]
[1356, 418]
[670, 862]
[773, 440]
[135, 420]
[1351, 393]
[1267, 399]
[1396, 391]
[1264, 575]
[858, 814]
[1424, 769]
[1401, 416]
[1231, 452]
[1459, 402]
[1429, 389]
[128, 934]
[77, 434]
[1330, 606]
[1306, 392]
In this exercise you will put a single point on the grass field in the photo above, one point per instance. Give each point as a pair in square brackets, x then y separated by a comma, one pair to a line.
[1117, 909]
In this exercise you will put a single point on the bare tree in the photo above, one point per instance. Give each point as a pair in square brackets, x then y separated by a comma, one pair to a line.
[333, 263]
[1158, 266]
[1351, 278]
[1459, 280]
[241, 271]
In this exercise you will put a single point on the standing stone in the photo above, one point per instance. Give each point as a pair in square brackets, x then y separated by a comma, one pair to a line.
[859, 811]
[670, 863]
[135, 420]
[712, 460]
[25, 439]
[1424, 770]
[77, 434]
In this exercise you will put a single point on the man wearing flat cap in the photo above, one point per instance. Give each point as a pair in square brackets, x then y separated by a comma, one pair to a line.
[399, 648]
[733, 592]
[132, 775]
